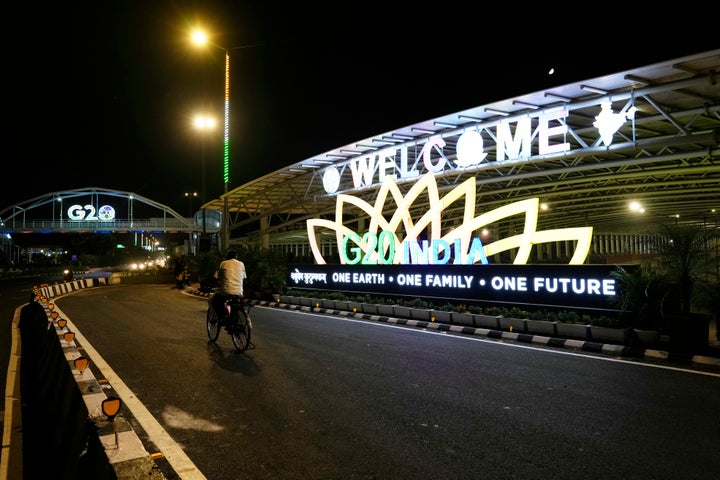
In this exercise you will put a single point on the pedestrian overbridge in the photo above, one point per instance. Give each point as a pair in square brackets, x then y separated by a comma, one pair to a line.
[100, 210]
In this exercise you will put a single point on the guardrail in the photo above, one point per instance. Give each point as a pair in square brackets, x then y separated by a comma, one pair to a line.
[149, 225]
[63, 404]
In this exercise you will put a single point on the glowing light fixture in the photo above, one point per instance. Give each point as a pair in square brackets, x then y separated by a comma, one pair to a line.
[599, 91]
[636, 207]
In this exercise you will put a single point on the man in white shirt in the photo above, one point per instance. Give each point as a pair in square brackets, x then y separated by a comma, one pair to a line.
[230, 274]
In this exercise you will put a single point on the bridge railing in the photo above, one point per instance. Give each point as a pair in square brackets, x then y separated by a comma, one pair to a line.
[50, 225]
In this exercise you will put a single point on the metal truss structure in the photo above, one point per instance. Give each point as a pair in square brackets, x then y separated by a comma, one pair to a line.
[44, 214]
[667, 159]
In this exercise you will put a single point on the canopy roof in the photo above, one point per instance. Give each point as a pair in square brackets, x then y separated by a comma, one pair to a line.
[667, 158]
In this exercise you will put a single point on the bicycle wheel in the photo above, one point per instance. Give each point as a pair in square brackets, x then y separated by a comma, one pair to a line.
[213, 324]
[241, 329]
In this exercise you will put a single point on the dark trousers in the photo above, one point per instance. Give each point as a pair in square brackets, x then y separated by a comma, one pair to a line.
[218, 303]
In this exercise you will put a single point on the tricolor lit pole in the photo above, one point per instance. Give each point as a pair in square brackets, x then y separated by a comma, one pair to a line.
[200, 38]
[224, 234]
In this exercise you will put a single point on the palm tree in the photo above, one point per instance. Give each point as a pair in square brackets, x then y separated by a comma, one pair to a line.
[632, 295]
[685, 260]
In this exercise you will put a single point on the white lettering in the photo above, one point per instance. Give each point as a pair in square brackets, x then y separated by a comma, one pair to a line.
[509, 283]
[514, 144]
[413, 280]
[362, 169]
[386, 162]
[372, 278]
[448, 281]
[341, 277]
[469, 150]
[546, 132]
[436, 143]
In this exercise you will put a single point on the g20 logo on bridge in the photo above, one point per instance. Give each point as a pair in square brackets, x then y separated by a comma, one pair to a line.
[88, 213]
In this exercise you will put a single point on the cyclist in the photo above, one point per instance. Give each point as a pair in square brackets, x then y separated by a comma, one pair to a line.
[230, 275]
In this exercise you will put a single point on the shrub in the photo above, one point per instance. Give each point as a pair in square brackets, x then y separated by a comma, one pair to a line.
[568, 317]
[606, 321]
[516, 312]
[417, 303]
[461, 308]
[475, 309]
[495, 311]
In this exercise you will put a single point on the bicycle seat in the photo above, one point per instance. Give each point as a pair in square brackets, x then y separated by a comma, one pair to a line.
[235, 299]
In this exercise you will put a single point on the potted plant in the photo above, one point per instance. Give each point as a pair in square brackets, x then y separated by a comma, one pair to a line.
[633, 286]
[538, 323]
[570, 324]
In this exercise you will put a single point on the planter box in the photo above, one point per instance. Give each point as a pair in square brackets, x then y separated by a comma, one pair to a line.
[463, 318]
[441, 315]
[340, 304]
[385, 310]
[420, 314]
[543, 327]
[370, 308]
[486, 321]
[512, 324]
[620, 336]
[354, 307]
[572, 330]
[327, 304]
[401, 312]
[288, 299]
[647, 337]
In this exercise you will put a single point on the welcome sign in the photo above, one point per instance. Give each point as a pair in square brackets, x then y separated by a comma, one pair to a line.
[402, 255]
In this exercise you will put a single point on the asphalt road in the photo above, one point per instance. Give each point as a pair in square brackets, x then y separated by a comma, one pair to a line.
[323, 397]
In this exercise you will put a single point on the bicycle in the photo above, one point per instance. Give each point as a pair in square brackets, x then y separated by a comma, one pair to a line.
[237, 322]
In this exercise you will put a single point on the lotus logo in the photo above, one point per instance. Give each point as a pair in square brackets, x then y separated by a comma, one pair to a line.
[401, 239]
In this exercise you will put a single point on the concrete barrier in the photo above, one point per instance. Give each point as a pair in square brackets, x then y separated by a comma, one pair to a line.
[61, 431]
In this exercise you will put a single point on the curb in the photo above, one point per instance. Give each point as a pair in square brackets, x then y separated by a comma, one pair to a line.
[623, 351]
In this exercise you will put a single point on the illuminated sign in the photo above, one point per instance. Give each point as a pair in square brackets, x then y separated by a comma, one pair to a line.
[398, 254]
[583, 286]
[88, 213]
[513, 140]
[462, 245]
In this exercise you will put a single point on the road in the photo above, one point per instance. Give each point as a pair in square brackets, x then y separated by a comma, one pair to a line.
[323, 397]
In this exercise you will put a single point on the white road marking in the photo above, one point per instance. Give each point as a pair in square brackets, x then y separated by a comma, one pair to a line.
[171, 451]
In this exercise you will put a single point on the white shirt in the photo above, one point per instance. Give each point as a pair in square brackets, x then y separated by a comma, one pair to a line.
[231, 274]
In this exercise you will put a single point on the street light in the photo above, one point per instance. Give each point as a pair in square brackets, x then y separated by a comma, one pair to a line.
[203, 123]
[200, 38]
[189, 196]
[59, 199]
[191, 236]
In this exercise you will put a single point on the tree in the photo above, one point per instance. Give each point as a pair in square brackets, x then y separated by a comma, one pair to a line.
[685, 260]
[633, 295]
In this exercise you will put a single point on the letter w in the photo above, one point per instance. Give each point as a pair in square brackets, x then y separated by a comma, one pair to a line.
[362, 169]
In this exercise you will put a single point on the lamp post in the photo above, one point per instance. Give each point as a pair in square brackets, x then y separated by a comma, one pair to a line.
[191, 238]
[203, 123]
[200, 38]
[59, 199]
[189, 196]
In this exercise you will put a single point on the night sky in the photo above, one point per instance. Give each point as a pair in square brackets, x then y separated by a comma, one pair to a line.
[103, 96]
